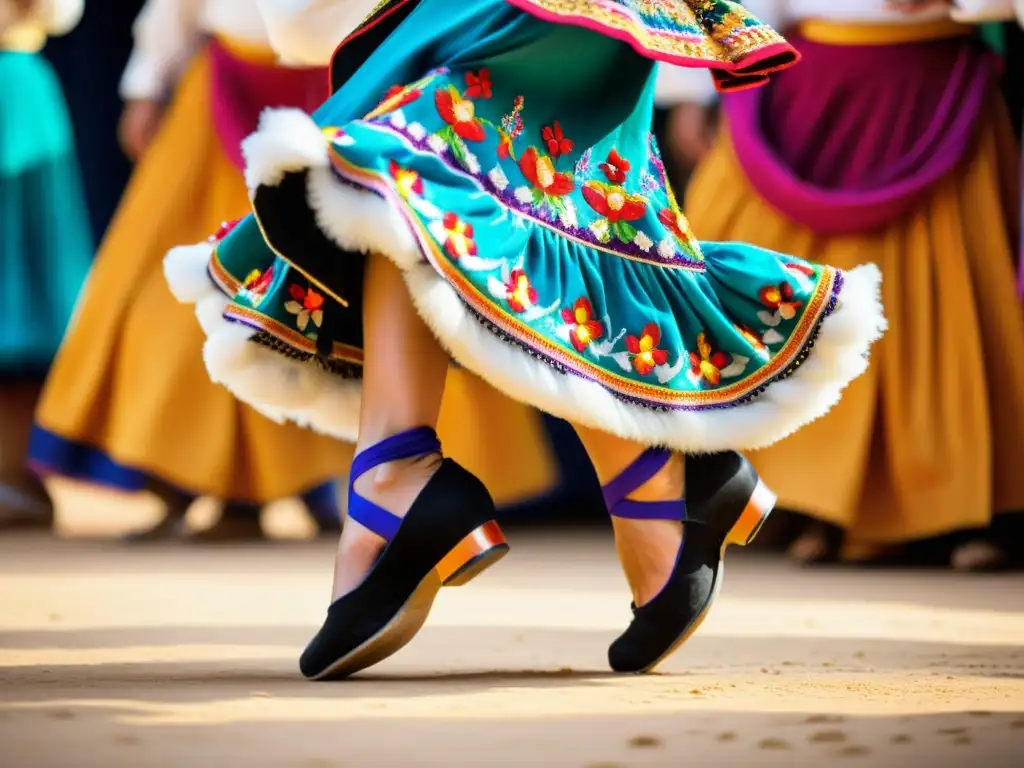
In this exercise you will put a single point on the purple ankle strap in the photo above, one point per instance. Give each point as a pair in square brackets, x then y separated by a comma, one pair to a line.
[647, 465]
[405, 445]
[414, 442]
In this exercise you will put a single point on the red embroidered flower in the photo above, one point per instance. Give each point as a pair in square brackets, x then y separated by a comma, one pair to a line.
[645, 349]
[458, 237]
[518, 291]
[504, 145]
[751, 337]
[459, 113]
[407, 182]
[780, 297]
[258, 282]
[614, 202]
[615, 168]
[585, 328]
[540, 171]
[556, 142]
[675, 223]
[707, 364]
[479, 84]
[397, 97]
[306, 304]
[223, 230]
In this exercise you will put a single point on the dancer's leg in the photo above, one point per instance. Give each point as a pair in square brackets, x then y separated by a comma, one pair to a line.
[403, 379]
[647, 548]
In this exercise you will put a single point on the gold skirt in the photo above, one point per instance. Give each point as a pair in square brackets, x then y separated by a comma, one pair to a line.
[130, 380]
[930, 440]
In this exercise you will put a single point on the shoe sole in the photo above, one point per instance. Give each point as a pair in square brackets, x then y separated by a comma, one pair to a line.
[744, 531]
[481, 549]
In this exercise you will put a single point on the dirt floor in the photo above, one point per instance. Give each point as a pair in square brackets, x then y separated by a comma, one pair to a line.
[178, 656]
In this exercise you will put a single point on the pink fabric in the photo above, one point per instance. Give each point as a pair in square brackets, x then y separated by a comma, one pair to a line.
[851, 138]
[241, 90]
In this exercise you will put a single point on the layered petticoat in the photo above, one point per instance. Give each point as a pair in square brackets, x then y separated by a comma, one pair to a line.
[522, 195]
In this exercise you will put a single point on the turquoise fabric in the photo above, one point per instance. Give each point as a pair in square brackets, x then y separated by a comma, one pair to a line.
[45, 242]
[552, 219]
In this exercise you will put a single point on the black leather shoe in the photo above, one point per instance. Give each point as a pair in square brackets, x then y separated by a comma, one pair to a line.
[448, 536]
[726, 503]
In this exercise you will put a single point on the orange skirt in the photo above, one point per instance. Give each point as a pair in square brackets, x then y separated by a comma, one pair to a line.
[930, 439]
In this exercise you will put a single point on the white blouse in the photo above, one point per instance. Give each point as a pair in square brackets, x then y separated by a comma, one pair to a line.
[168, 33]
[678, 84]
[53, 17]
[306, 32]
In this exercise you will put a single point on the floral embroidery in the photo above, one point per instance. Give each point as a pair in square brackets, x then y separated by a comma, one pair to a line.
[398, 96]
[583, 165]
[511, 129]
[675, 222]
[479, 84]
[459, 113]
[306, 304]
[223, 231]
[458, 237]
[644, 350]
[615, 167]
[584, 328]
[618, 208]
[555, 140]
[782, 299]
[752, 338]
[520, 294]
[540, 171]
[707, 364]
[407, 182]
[256, 283]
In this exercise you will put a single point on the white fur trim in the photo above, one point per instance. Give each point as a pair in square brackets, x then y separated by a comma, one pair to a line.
[279, 388]
[286, 140]
[185, 269]
[275, 386]
[363, 221]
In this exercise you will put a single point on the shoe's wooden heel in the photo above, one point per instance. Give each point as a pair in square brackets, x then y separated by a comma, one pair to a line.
[473, 555]
[746, 527]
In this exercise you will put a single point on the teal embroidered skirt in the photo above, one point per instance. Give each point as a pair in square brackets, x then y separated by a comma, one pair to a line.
[500, 154]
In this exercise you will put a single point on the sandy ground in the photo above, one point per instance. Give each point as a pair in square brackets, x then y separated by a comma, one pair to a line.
[177, 656]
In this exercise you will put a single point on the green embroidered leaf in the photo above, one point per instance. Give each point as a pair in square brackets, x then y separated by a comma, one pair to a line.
[538, 196]
[624, 231]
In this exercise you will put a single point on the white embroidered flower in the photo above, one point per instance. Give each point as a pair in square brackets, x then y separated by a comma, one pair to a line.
[667, 249]
[398, 119]
[417, 131]
[437, 144]
[524, 195]
[568, 214]
[471, 162]
[498, 178]
[600, 229]
[643, 242]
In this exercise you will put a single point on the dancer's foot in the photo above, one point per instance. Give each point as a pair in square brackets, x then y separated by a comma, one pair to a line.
[23, 509]
[818, 543]
[394, 487]
[979, 555]
[391, 567]
[171, 527]
[726, 504]
[648, 548]
[237, 523]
